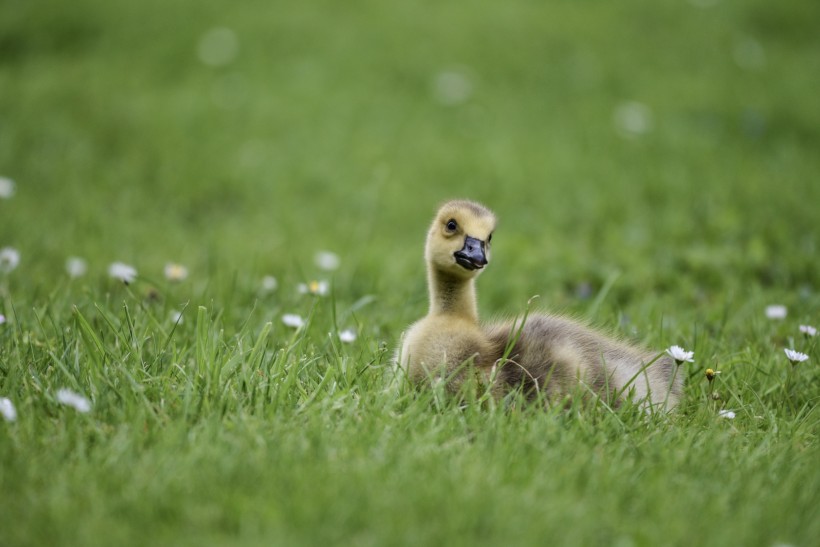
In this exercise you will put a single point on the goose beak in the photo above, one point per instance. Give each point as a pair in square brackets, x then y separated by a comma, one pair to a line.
[471, 256]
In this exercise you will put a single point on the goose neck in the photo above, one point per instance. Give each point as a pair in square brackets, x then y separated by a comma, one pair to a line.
[451, 295]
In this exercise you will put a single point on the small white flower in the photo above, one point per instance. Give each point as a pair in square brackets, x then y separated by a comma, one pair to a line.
[9, 259]
[319, 288]
[176, 317]
[74, 400]
[125, 273]
[795, 356]
[728, 414]
[175, 272]
[452, 87]
[218, 47]
[776, 311]
[348, 336]
[327, 260]
[2, 318]
[293, 320]
[632, 119]
[6, 188]
[269, 283]
[7, 409]
[76, 267]
[808, 330]
[680, 355]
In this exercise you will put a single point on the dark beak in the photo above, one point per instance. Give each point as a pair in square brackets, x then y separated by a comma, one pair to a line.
[472, 256]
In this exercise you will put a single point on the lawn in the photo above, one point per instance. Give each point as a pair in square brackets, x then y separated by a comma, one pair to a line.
[655, 172]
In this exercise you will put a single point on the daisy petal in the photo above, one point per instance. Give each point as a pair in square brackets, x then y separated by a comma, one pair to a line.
[776, 311]
[795, 356]
[7, 409]
[123, 272]
[293, 320]
[680, 355]
[74, 400]
[9, 259]
[348, 336]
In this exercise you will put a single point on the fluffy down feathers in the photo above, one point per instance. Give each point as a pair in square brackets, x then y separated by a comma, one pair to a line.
[553, 354]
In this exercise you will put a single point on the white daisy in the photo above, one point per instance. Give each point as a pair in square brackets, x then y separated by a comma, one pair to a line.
[9, 259]
[808, 330]
[795, 356]
[218, 47]
[680, 355]
[728, 414]
[6, 188]
[632, 119]
[327, 260]
[74, 400]
[293, 320]
[319, 288]
[269, 283]
[348, 336]
[76, 267]
[176, 317]
[124, 272]
[175, 272]
[7, 409]
[776, 311]
[452, 87]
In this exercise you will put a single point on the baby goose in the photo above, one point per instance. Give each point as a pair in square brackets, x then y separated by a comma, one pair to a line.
[438, 345]
[549, 353]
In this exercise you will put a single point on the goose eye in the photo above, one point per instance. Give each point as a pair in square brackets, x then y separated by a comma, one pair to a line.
[452, 225]
[489, 238]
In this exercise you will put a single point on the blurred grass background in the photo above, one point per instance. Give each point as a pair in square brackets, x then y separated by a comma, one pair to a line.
[329, 125]
[672, 144]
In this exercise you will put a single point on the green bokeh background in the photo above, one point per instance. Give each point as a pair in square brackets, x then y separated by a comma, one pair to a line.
[324, 131]
[341, 126]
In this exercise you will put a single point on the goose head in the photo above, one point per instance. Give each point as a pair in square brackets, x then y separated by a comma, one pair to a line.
[458, 243]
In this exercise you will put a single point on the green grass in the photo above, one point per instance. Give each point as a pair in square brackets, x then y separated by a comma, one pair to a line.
[325, 133]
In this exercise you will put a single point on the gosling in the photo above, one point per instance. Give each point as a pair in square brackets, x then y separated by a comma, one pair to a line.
[449, 341]
[548, 353]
